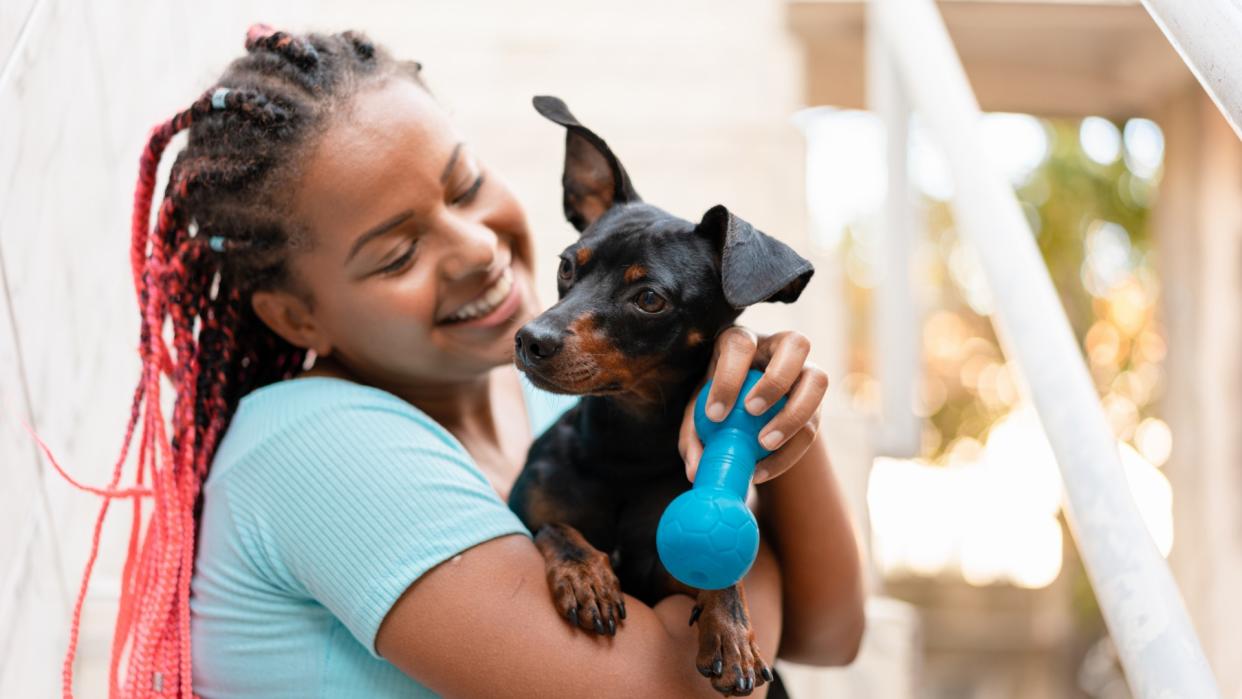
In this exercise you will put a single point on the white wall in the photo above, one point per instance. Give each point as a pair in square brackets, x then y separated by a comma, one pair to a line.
[694, 96]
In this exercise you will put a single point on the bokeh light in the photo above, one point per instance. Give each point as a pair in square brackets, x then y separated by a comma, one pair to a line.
[1154, 440]
[1100, 140]
[1144, 147]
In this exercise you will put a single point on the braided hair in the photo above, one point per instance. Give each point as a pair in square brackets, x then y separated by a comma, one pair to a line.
[222, 232]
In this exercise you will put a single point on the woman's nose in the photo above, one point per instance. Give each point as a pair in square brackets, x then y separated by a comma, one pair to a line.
[471, 247]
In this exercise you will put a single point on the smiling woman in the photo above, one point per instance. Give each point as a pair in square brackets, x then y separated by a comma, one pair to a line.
[410, 236]
[344, 279]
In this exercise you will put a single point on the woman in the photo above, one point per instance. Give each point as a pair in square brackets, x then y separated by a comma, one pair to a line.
[354, 539]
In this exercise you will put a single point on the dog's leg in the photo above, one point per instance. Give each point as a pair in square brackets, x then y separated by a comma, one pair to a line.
[584, 587]
[728, 654]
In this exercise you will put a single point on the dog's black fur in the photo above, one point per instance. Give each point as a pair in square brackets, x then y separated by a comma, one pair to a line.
[643, 295]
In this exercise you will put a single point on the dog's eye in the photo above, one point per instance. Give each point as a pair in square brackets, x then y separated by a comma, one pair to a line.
[566, 270]
[649, 301]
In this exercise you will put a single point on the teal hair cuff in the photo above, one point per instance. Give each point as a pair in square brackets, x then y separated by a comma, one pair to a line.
[217, 97]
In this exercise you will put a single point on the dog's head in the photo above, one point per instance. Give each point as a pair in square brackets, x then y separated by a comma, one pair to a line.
[642, 293]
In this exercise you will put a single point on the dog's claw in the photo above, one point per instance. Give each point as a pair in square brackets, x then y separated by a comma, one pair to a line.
[573, 616]
[599, 626]
[612, 627]
[621, 605]
[694, 614]
[767, 673]
[717, 667]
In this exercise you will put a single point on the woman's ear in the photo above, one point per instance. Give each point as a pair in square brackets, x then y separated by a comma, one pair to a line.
[290, 317]
[594, 180]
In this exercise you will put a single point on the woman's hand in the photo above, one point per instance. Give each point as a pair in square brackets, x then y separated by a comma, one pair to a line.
[786, 371]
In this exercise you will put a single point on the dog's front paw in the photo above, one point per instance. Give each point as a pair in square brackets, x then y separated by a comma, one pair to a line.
[584, 587]
[728, 654]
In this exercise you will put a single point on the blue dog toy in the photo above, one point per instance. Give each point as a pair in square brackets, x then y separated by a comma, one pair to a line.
[707, 537]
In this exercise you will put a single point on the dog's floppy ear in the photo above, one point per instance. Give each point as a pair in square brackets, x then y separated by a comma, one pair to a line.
[594, 180]
[754, 266]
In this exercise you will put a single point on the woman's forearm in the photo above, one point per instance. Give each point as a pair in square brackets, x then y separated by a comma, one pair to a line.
[804, 517]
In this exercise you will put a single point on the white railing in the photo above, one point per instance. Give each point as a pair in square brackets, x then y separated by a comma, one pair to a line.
[1208, 36]
[897, 313]
[1140, 601]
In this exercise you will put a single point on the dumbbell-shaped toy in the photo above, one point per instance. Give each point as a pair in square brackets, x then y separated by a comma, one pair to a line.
[707, 537]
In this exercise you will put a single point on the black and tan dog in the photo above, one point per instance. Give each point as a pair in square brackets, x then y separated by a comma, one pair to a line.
[643, 295]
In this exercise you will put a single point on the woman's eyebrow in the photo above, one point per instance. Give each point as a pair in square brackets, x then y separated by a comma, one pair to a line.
[379, 230]
[452, 161]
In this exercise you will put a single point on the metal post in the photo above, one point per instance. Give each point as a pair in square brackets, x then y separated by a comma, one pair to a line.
[897, 319]
[1141, 603]
[1207, 34]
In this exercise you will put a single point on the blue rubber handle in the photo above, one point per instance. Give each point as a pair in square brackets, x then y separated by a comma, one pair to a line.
[707, 537]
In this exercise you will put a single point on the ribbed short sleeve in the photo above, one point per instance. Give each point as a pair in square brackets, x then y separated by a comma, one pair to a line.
[352, 502]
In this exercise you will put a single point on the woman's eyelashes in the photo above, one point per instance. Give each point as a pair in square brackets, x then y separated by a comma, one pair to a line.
[468, 196]
[401, 261]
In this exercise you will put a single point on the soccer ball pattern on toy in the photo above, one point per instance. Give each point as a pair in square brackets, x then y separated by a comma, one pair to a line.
[708, 541]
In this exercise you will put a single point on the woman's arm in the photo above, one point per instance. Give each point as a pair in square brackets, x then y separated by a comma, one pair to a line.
[801, 509]
[483, 625]
[804, 518]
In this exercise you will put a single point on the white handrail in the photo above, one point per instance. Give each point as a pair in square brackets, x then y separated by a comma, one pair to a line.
[1141, 603]
[897, 345]
[1208, 36]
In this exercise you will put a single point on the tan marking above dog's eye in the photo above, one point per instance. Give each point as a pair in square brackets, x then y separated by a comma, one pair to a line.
[634, 272]
[584, 254]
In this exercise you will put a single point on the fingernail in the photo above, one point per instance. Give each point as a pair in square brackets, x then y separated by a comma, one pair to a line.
[716, 412]
[772, 439]
[755, 406]
[760, 476]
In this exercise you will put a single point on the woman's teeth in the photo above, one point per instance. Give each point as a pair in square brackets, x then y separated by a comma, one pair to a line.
[486, 303]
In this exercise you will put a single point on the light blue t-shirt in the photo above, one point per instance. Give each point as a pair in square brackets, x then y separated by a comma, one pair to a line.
[326, 500]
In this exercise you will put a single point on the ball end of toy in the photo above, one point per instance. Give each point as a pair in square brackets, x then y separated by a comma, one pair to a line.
[707, 542]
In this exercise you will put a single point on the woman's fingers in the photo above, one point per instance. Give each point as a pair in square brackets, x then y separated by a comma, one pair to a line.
[804, 399]
[688, 442]
[785, 457]
[785, 354]
[786, 373]
[734, 352]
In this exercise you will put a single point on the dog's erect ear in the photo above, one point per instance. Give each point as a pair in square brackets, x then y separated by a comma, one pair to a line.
[594, 180]
[754, 266]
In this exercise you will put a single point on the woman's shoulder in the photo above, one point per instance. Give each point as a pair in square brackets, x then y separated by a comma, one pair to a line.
[307, 417]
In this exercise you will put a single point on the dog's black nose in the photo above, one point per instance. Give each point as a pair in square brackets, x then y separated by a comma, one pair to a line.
[535, 344]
